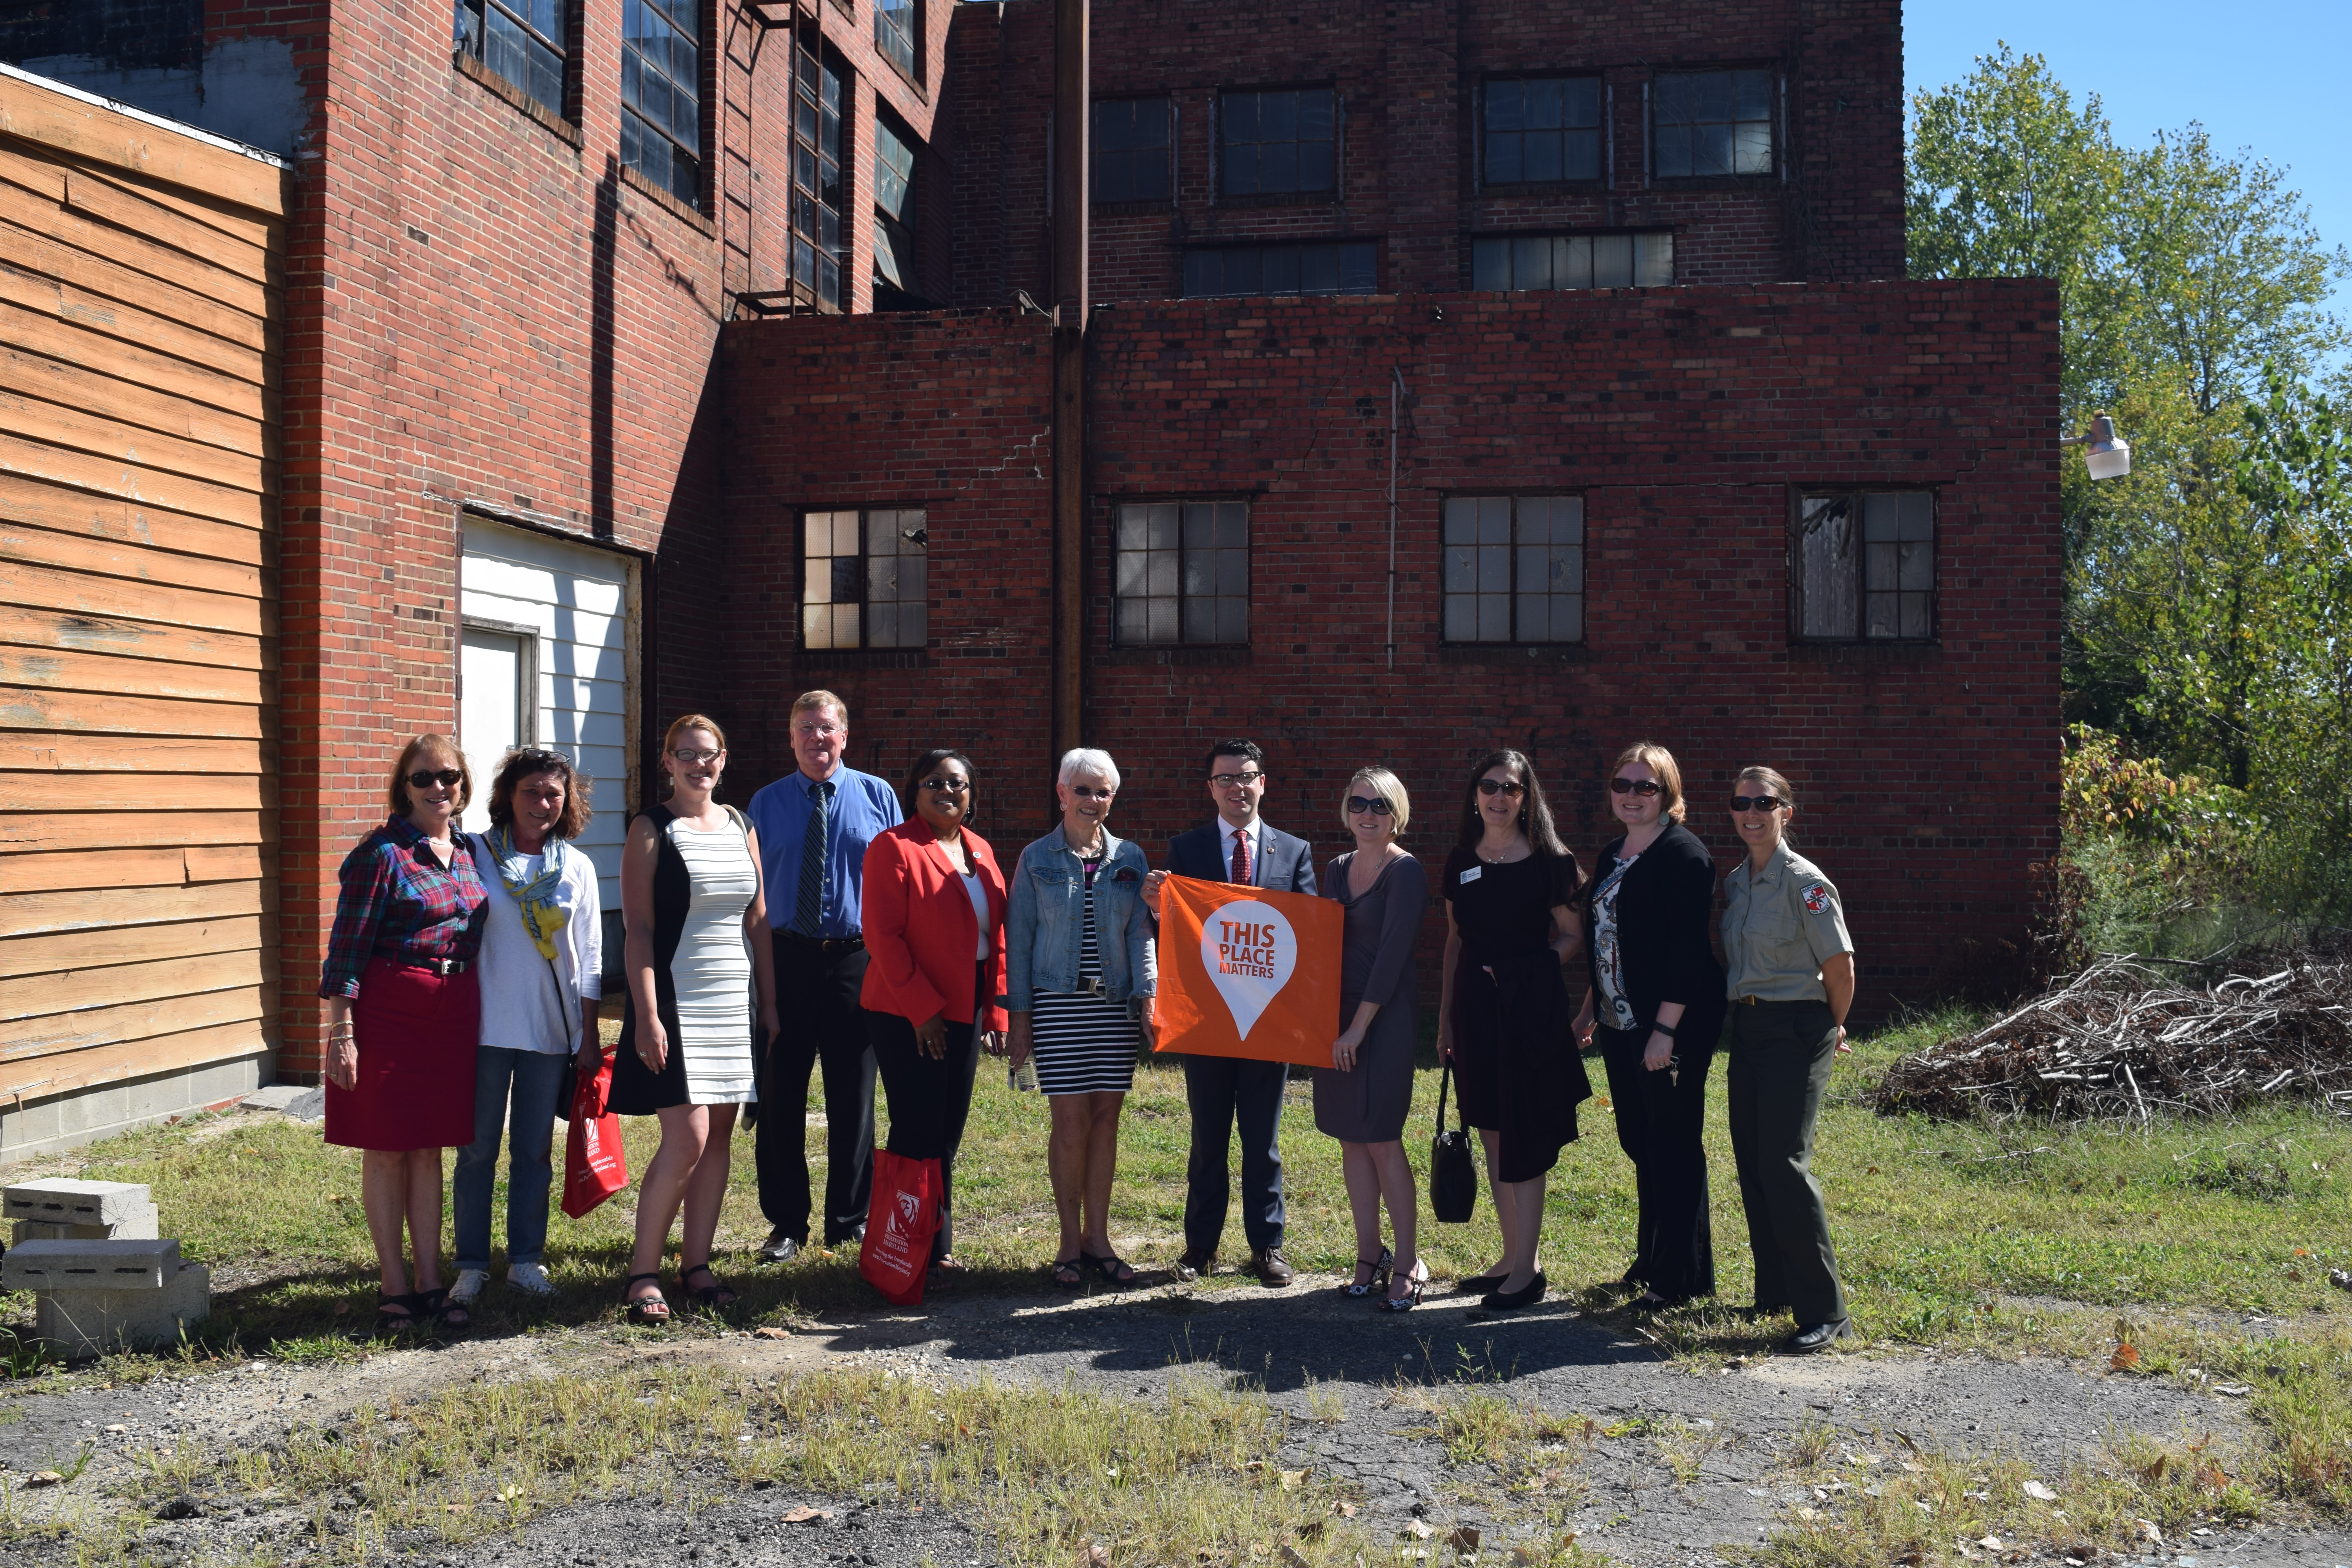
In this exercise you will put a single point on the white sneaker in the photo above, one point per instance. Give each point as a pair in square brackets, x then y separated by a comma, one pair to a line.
[530, 1279]
[469, 1287]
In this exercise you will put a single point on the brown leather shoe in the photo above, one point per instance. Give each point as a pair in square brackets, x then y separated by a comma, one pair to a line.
[1193, 1265]
[1274, 1270]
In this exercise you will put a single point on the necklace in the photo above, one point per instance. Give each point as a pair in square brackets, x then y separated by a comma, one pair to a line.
[1093, 851]
[1502, 860]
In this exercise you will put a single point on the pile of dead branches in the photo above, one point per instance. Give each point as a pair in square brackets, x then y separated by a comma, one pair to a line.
[2127, 1039]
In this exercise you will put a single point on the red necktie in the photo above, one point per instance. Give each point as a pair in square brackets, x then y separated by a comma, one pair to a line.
[1241, 857]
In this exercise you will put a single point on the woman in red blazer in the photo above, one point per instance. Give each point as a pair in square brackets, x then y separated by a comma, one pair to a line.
[933, 905]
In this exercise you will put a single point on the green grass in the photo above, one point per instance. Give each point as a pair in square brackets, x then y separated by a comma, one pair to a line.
[1946, 1233]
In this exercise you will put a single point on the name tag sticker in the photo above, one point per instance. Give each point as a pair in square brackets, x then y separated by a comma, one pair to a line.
[1471, 873]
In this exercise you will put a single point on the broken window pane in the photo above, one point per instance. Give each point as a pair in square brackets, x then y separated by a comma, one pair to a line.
[1180, 572]
[1866, 566]
[1711, 122]
[1513, 569]
[661, 76]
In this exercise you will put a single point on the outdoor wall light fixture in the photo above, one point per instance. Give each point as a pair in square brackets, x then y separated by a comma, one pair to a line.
[2105, 453]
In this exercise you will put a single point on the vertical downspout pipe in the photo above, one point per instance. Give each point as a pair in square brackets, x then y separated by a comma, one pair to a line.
[1073, 120]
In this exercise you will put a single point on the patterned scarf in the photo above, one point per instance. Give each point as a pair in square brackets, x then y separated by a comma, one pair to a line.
[543, 917]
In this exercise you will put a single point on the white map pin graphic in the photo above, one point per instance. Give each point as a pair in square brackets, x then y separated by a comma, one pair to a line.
[1250, 951]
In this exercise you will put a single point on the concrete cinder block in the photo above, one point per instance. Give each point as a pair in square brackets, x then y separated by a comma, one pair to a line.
[140, 1222]
[63, 1201]
[89, 1265]
[91, 1322]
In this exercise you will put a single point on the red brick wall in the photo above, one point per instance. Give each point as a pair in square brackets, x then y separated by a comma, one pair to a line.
[481, 308]
[1684, 417]
[1408, 75]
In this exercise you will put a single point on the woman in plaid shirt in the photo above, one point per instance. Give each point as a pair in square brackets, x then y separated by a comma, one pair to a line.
[404, 1010]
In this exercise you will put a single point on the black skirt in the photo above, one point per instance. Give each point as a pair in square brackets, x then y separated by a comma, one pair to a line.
[1516, 1058]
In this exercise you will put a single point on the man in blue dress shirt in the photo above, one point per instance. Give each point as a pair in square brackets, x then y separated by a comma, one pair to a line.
[814, 824]
[1227, 1094]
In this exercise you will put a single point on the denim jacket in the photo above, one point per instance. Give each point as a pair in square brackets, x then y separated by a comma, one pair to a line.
[1046, 912]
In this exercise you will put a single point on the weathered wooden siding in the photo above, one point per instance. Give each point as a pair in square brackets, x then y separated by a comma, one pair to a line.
[140, 278]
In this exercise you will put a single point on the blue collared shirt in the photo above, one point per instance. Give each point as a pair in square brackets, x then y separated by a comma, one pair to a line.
[863, 809]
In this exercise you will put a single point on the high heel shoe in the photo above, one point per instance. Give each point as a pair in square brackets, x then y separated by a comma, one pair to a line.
[1526, 1295]
[1418, 1279]
[1382, 1267]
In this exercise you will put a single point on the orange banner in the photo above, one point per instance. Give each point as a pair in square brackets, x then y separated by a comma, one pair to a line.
[1245, 972]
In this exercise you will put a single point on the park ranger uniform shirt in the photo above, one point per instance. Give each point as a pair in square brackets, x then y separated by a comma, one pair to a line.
[1779, 926]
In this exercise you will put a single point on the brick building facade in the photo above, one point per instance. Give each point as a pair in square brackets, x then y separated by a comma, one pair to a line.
[534, 305]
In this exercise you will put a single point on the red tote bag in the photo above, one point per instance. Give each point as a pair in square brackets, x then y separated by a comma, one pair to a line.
[896, 1257]
[595, 1167]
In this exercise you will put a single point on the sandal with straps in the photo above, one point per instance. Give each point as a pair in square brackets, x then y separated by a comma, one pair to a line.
[393, 1313]
[1417, 1279]
[1109, 1266]
[436, 1305]
[1066, 1272]
[1382, 1266]
[649, 1311]
[714, 1296]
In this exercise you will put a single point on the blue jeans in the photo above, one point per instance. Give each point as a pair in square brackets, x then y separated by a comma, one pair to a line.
[535, 1077]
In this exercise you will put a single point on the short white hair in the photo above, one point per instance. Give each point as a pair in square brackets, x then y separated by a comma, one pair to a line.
[1087, 760]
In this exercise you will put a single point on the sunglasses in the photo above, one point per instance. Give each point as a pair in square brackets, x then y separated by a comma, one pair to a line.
[690, 758]
[425, 778]
[1358, 804]
[1499, 787]
[1755, 802]
[946, 785]
[1083, 792]
[1643, 787]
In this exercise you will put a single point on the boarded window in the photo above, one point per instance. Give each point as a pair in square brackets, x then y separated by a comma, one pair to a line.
[1712, 122]
[1866, 566]
[1278, 143]
[1572, 261]
[1514, 569]
[1542, 130]
[1345, 266]
[521, 40]
[661, 95]
[864, 579]
[1131, 150]
[1182, 572]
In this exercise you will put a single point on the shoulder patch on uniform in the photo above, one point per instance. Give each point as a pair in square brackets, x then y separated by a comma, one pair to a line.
[1817, 896]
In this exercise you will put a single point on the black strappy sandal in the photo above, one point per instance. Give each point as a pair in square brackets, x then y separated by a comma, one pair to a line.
[650, 1310]
[1382, 1266]
[393, 1313]
[1066, 1273]
[436, 1304]
[1109, 1266]
[714, 1296]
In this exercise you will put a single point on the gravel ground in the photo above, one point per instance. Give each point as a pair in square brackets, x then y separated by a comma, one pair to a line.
[1313, 1351]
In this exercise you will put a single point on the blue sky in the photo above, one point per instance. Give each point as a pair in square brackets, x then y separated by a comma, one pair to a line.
[2267, 76]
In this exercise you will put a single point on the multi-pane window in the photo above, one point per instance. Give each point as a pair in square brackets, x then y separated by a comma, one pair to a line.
[894, 31]
[1712, 122]
[1182, 572]
[819, 244]
[661, 95]
[521, 40]
[894, 208]
[863, 582]
[1341, 266]
[1572, 261]
[1542, 129]
[1130, 151]
[1278, 144]
[1515, 569]
[1866, 566]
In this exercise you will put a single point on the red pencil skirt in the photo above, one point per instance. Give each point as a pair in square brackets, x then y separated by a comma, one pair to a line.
[416, 1033]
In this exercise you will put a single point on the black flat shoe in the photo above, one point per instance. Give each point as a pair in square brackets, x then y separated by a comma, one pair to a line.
[1478, 1284]
[1526, 1295]
[1817, 1338]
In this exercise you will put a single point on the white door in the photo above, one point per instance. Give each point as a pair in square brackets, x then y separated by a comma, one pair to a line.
[494, 708]
[580, 600]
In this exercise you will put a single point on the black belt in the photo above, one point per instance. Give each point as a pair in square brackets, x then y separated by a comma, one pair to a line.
[828, 945]
[443, 967]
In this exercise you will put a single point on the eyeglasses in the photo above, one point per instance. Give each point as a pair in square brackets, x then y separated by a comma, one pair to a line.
[425, 778]
[695, 758]
[1358, 805]
[946, 785]
[1233, 781]
[1643, 787]
[1083, 792]
[817, 732]
[1756, 802]
[1501, 786]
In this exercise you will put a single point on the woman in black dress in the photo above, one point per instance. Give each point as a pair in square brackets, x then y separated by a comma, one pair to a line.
[1656, 1003]
[1505, 1024]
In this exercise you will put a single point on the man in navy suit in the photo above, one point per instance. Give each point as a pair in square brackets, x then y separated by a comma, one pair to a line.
[1238, 847]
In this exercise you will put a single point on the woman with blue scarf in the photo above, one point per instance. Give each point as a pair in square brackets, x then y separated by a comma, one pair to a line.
[541, 952]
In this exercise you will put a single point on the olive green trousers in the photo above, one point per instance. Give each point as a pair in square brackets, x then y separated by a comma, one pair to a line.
[1778, 1070]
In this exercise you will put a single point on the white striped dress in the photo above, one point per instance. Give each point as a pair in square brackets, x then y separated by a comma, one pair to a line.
[1084, 1044]
[712, 969]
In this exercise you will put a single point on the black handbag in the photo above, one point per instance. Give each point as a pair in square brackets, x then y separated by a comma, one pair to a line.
[1453, 1178]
